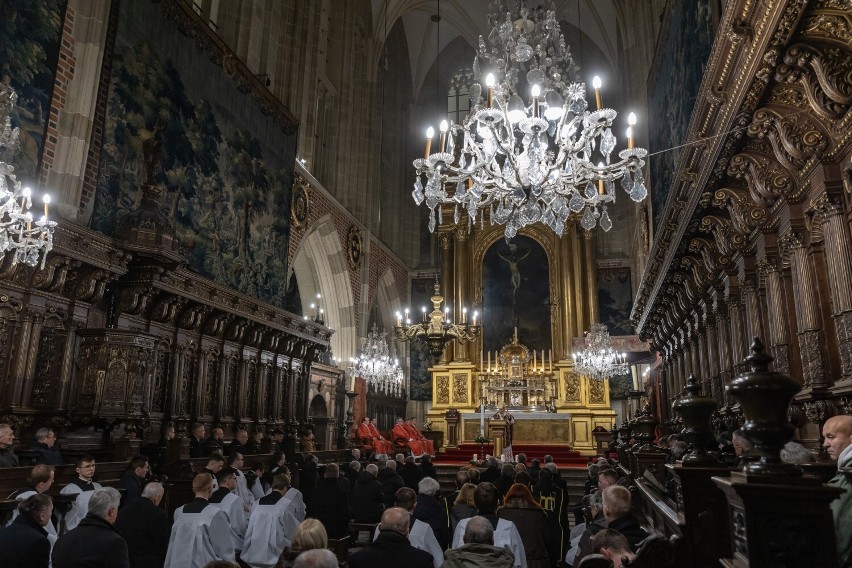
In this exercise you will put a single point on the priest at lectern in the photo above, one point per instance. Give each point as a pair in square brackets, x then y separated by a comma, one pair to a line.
[504, 414]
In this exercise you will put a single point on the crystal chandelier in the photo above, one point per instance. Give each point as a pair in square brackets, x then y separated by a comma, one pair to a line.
[436, 328]
[376, 364]
[18, 231]
[599, 360]
[534, 160]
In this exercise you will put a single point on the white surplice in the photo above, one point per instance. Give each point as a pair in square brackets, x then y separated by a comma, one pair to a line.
[199, 537]
[271, 528]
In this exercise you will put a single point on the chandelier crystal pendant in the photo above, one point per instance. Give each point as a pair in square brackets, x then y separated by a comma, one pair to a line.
[527, 161]
[377, 364]
[599, 360]
[19, 231]
[436, 328]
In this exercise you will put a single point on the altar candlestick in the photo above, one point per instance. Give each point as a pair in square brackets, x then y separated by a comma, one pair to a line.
[489, 361]
[534, 360]
[550, 360]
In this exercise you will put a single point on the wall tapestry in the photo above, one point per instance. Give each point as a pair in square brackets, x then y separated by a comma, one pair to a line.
[683, 49]
[615, 300]
[227, 167]
[421, 384]
[516, 292]
[30, 33]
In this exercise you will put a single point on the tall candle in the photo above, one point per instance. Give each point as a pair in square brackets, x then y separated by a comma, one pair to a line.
[430, 133]
[596, 83]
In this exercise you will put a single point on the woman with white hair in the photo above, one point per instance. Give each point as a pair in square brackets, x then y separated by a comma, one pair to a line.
[431, 511]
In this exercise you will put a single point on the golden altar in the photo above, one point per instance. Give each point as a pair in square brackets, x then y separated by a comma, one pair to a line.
[465, 381]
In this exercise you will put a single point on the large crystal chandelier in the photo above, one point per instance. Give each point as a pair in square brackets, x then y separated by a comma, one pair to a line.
[376, 364]
[599, 360]
[18, 230]
[530, 150]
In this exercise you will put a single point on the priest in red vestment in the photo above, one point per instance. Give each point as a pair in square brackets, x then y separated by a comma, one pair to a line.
[364, 434]
[381, 445]
[402, 436]
[417, 435]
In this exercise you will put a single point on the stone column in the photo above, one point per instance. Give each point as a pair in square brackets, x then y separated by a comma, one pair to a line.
[839, 250]
[779, 341]
[808, 318]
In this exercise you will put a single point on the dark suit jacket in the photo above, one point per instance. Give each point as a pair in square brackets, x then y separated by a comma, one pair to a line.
[196, 448]
[24, 544]
[146, 530]
[93, 544]
[132, 485]
[49, 456]
[367, 501]
[330, 505]
[390, 549]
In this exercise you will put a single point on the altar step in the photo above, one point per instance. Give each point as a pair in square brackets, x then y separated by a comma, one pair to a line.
[563, 455]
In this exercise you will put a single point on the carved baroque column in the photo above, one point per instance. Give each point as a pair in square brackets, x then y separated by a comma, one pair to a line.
[712, 355]
[838, 249]
[738, 341]
[777, 322]
[753, 310]
[447, 278]
[461, 285]
[808, 319]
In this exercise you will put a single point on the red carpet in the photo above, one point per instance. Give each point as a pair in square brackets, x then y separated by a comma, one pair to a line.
[563, 455]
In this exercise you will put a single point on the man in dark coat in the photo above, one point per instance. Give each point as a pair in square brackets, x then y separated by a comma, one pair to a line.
[133, 480]
[94, 543]
[410, 473]
[427, 468]
[7, 443]
[430, 510]
[506, 479]
[367, 500]
[46, 445]
[616, 509]
[391, 547]
[24, 543]
[196, 441]
[390, 480]
[330, 503]
[145, 527]
[351, 472]
[492, 471]
[215, 444]
[238, 444]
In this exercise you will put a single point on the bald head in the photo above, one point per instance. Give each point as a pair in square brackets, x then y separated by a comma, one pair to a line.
[837, 432]
[479, 530]
[395, 519]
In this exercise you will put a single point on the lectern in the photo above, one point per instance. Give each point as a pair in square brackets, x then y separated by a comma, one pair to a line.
[498, 429]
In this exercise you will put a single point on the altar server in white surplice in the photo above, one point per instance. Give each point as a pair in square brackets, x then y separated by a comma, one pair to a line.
[420, 534]
[230, 504]
[200, 533]
[38, 481]
[273, 523]
[83, 487]
[506, 534]
[236, 461]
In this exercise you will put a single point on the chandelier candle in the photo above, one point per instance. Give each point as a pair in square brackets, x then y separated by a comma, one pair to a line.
[596, 83]
[430, 133]
[489, 82]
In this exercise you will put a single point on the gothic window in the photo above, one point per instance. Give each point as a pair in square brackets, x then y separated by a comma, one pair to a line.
[458, 103]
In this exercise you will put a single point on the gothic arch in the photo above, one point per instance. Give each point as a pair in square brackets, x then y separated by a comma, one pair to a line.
[320, 266]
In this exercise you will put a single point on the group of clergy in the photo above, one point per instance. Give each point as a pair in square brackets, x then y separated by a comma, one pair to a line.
[405, 434]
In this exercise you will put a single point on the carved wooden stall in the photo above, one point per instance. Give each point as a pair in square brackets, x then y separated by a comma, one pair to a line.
[755, 236]
[100, 339]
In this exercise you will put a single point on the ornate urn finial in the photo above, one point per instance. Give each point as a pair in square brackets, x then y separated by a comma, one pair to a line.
[643, 429]
[696, 411]
[764, 397]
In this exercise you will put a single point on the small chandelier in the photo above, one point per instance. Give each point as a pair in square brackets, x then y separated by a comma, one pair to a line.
[18, 231]
[599, 360]
[436, 328]
[376, 364]
[538, 160]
